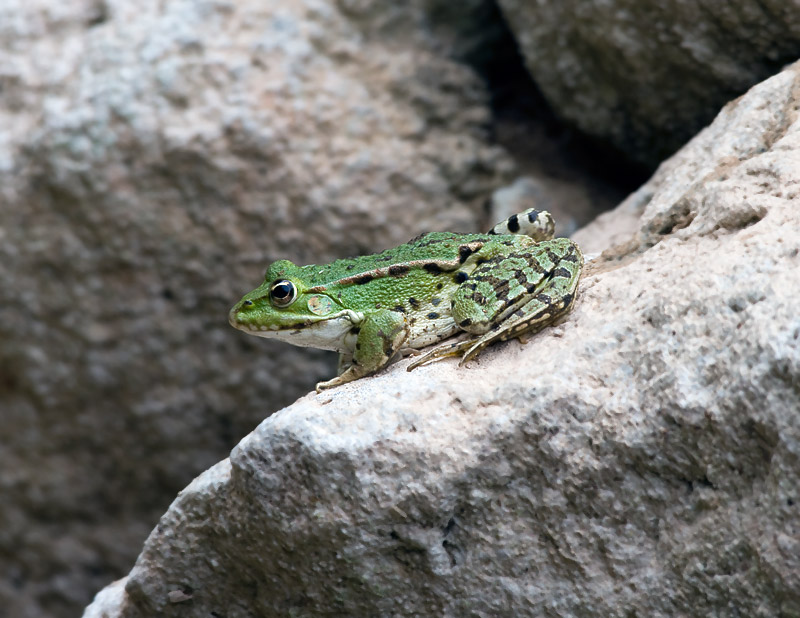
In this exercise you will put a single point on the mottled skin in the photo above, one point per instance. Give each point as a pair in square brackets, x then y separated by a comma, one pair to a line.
[510, 282]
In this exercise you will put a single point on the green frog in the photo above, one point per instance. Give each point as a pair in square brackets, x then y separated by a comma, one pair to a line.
[372, 309]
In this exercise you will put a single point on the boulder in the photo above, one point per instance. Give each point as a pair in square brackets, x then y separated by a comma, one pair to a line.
[154, 157]
[640, 458]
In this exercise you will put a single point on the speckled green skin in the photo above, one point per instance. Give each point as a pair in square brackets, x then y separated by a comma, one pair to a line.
[372, 308]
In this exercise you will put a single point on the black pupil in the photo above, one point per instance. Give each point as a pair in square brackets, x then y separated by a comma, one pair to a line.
[282, 291]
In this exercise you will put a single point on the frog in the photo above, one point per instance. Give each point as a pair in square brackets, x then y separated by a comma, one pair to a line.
[508, 283]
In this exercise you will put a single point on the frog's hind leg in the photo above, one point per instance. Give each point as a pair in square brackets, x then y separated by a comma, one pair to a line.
[538, 224]
[552, 299]
[491, 310]
[453, 348]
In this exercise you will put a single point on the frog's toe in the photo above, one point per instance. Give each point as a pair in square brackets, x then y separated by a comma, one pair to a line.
[424, 359]
[443, 351]
[473, 351]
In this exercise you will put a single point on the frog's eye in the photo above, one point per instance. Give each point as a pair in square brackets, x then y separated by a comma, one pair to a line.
[282, 293]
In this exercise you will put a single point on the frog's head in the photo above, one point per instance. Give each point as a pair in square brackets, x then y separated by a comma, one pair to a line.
[286, 307]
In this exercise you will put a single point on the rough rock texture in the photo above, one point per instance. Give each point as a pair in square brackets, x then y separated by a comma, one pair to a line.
[640, 459]
[154, 156]
[648, 75]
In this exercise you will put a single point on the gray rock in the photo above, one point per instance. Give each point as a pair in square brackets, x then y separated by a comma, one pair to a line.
[641, 458]
[154, 157]
[649, 75]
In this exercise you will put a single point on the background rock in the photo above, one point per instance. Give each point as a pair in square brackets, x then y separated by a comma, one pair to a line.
[640, 458]
[154, 157]
[648, 75]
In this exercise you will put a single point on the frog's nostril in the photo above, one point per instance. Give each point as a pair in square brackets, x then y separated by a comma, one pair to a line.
[247, 303]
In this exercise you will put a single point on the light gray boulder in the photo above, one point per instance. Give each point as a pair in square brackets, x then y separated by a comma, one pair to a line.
[154, 157]
[641, 458]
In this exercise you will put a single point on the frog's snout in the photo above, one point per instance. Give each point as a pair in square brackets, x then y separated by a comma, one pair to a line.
[232, 315]
[235, 314]
[245, 316]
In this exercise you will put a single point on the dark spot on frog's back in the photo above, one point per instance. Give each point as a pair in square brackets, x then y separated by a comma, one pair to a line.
[362, 279]
[433, 268]
[413, 302]
[464, 251]
[513, 224]
[433, 315]
[400, 309]
[460, 277]
[398, 271]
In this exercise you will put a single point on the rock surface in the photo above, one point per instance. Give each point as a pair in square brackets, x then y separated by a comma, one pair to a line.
[641, 458]
[648, 75]
[154, 156]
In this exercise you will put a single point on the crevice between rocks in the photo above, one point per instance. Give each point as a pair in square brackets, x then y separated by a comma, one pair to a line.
[537, 139]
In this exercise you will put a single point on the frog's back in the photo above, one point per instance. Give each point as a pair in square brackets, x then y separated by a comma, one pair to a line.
[432, 246]
[431, 251]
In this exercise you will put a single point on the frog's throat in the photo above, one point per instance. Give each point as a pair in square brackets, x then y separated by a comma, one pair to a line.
[331, 333]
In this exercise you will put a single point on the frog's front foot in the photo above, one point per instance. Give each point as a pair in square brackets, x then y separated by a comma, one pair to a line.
[353, 372]
[321, 386]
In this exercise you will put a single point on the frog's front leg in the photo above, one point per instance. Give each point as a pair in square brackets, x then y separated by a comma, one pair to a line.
[345, 362]
[380, 337]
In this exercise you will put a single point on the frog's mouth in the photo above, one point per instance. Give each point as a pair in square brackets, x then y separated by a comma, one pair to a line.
[322, 333]
[247, 325]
